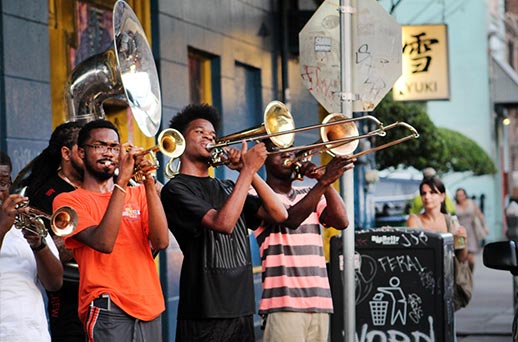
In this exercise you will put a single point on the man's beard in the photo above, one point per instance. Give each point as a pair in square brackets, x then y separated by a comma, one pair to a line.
[99, 175]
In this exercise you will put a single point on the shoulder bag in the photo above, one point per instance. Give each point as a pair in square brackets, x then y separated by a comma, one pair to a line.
[463, 278]
[478, 226]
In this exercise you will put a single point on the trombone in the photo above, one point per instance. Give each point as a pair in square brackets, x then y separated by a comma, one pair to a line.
[336, 144]
[278, 124]
[279, 127]
[338, 136]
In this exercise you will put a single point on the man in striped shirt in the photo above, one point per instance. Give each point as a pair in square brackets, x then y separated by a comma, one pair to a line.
[296, 300]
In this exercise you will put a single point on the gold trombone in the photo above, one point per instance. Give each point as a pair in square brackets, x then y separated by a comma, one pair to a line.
[278, 125]
[341, 142]
[338, 136]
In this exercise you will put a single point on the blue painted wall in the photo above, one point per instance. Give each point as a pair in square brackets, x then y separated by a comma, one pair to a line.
[25, 81]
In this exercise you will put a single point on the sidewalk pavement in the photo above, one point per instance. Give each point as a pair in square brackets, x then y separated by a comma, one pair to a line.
[489, 315]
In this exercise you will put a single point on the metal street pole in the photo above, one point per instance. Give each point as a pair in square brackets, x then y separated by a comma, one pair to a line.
[347, 10]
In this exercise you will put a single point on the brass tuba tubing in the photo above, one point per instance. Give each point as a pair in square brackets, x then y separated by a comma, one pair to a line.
[124, 73]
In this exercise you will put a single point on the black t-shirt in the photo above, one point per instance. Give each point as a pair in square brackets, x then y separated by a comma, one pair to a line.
[216, 278]
[44, 196]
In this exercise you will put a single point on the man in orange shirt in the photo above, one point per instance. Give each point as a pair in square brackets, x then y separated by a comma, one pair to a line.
[119, 289]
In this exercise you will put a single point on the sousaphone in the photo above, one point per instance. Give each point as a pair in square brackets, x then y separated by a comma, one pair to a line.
[124, 73]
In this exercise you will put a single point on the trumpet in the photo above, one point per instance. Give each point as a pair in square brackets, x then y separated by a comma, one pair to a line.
[63, 221]
[170, 142]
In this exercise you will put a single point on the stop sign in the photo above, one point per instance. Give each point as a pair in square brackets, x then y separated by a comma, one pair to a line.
[376, 57]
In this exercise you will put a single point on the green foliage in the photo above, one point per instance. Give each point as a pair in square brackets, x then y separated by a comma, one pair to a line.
[465, 154]
[440, 148]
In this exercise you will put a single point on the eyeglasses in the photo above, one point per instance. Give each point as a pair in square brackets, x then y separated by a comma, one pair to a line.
[5, 185]
[101, 148]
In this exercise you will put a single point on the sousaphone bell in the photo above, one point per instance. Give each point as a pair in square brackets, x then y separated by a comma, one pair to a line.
[124, 73]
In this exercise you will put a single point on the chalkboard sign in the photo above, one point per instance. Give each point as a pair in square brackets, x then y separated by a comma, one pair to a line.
[404, 286]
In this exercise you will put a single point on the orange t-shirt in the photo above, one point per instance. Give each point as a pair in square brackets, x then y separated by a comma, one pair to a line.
[129, 273]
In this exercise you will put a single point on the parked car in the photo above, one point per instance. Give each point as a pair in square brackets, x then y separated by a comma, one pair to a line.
[392, 198]
[503, 255]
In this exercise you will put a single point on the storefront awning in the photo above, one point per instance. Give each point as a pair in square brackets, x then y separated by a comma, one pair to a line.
[505, 91]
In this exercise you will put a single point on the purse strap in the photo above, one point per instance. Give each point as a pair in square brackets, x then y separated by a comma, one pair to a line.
[448, 222]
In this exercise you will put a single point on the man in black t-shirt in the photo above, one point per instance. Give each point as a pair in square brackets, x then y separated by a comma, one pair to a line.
[209, 218]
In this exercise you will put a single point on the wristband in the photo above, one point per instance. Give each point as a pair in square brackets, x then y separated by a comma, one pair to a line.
[42, 245]
[120, 187]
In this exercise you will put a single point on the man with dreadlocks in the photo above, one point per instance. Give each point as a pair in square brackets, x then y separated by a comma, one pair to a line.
[58, 169]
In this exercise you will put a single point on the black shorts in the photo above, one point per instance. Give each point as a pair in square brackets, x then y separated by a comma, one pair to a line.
[240, 329]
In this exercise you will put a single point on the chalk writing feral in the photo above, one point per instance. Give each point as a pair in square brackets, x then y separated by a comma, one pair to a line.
[401, 263]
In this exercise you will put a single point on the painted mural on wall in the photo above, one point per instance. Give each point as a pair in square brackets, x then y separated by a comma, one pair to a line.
[94, 31]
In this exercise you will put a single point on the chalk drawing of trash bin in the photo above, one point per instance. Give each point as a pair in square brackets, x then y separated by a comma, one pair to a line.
[378, 309]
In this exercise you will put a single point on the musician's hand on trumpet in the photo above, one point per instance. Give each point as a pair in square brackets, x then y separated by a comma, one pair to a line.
[11, 207]
[126, 163]
[33, 239]
[144, 167]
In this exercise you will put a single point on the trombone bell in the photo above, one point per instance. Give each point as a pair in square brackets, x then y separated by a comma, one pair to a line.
[277, 118]
[337, 132]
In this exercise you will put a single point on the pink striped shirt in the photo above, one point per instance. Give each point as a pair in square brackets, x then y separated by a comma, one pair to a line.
[294, 269]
